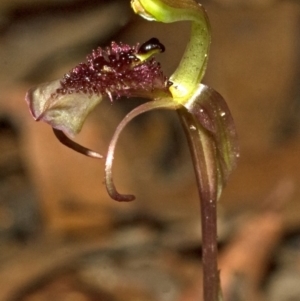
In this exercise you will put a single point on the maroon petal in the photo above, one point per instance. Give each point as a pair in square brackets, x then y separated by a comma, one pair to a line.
[166, 103]
[75, 146]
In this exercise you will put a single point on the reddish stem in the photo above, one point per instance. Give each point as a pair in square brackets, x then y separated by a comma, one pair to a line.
[206, 184]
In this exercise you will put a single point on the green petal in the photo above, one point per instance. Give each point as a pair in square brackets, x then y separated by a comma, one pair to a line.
[63, 112]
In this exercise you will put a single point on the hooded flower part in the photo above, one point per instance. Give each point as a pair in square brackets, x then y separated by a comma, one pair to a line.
[192, 66]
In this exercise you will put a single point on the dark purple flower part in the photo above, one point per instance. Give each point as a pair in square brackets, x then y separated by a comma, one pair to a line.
[119, 70]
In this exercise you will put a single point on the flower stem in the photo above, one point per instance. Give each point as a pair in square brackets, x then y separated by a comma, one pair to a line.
[210, 251]
[203, 156]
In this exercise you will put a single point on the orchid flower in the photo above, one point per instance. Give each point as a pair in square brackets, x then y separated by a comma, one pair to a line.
[122, 70]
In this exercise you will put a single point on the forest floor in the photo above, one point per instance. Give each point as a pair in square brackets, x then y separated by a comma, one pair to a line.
[62, 238]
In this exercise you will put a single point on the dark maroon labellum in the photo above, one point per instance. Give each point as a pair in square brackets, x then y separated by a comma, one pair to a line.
[119, 70]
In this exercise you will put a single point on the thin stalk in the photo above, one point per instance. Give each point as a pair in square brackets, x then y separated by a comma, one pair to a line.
[203, 154]
[193, 64]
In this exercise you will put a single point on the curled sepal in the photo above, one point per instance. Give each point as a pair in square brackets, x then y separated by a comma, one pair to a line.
[65, 112]
[65, 140]
[211, 111]
[165, 103]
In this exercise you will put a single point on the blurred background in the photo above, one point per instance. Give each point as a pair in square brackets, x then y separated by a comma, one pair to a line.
[62, 238]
